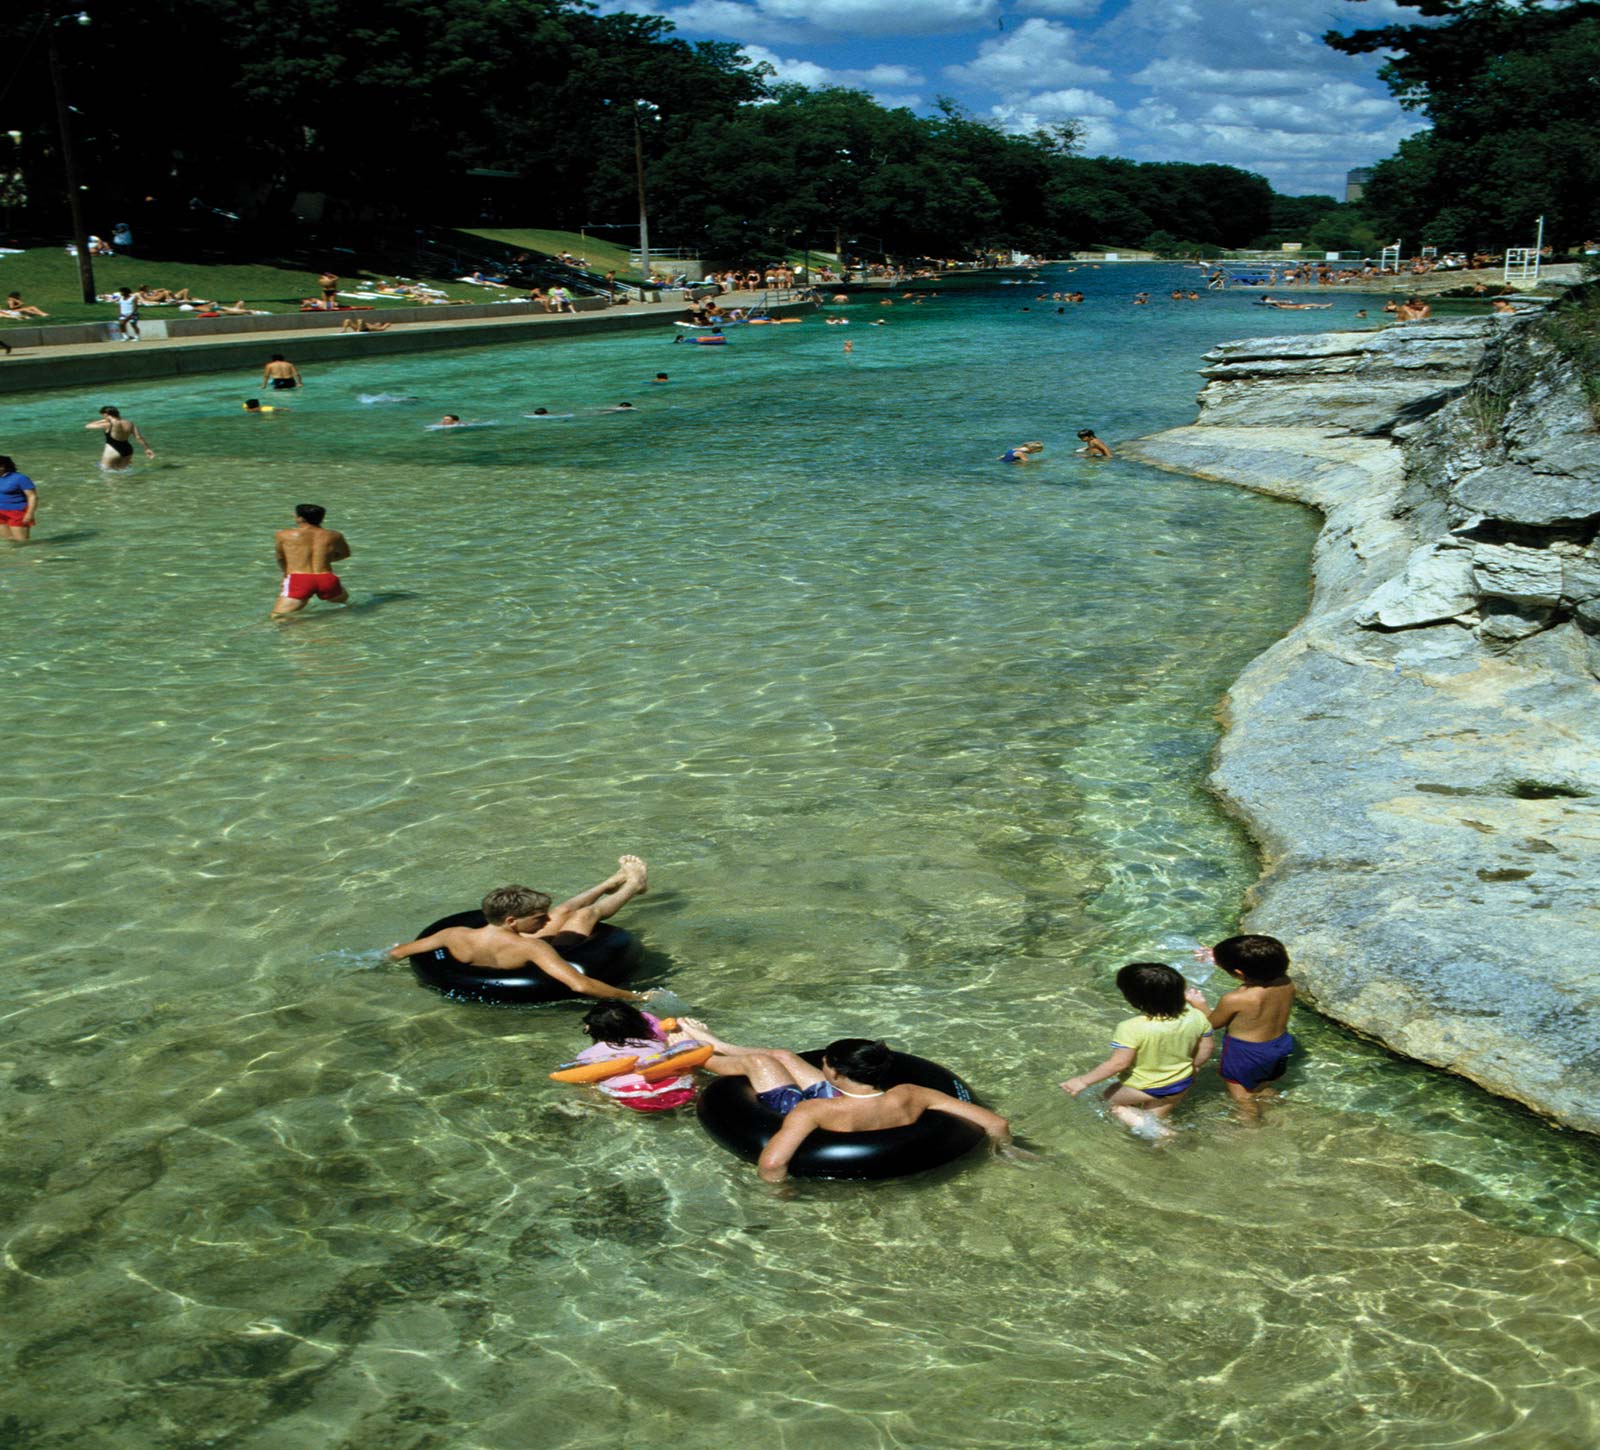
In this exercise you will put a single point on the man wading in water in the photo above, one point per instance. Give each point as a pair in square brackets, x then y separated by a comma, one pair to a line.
[304, 554]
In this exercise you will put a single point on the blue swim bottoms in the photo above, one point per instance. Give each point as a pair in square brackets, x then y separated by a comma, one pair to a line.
[783, 1100]
[1252, 1063]
[1172, 1089]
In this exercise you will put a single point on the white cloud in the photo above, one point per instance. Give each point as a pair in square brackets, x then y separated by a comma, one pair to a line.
[721, 17]
[796, 21]
[1251, 84]
[884, 17]
[1097, 136]
[809, 73]
[1037, 54]
[1170, 74]
[1059, 7]
[1072, 103]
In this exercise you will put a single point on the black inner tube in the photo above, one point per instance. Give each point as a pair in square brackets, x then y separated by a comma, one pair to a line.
[730, 1113]
[609, 955]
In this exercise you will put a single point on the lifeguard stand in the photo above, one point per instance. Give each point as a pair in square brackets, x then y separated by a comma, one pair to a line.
[1522, 263]
[1390, 257]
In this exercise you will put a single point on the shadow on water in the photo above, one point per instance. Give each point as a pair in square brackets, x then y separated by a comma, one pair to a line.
[393, 596]
[307, 617]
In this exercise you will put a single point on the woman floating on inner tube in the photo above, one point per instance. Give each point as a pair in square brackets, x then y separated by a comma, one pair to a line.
[524, 930]
[850, 1093]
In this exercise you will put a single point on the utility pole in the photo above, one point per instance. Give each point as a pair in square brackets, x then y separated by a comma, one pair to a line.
[69, 160]
[644, 221]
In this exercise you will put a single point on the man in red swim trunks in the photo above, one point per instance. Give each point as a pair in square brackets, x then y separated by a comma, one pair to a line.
[304, 554]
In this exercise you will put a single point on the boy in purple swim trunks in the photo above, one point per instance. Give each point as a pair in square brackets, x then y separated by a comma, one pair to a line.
[1256, 1015]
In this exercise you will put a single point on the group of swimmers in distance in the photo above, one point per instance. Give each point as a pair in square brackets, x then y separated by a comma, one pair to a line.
[1155, 1059]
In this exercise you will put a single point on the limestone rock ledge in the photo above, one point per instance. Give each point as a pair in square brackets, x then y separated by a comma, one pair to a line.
[1419, 759]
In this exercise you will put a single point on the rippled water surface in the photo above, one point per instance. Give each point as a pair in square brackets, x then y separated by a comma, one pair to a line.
[915, 744]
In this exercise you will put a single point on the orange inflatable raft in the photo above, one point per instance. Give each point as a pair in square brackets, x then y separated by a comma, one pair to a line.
[674, 1062]
[594, 1071]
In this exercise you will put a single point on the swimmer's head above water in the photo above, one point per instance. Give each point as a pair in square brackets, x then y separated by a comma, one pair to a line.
[616, 1023]
[514, 905]
[861, 1060]
[1153, 988]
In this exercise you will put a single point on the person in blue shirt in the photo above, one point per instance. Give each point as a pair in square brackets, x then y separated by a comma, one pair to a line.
[18, 501]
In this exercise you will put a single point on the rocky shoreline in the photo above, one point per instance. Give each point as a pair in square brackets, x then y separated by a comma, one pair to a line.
[1419, 760]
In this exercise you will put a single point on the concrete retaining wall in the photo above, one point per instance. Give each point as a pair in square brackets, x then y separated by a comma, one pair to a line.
[126, 362]
[168, 322]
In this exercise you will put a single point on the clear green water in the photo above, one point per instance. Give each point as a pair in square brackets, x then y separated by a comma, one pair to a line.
[915, 745]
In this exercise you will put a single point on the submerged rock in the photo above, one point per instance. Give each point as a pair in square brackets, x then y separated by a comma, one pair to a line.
[1419, 759]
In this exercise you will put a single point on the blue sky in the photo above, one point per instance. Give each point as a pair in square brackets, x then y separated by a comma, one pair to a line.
[1245, 83]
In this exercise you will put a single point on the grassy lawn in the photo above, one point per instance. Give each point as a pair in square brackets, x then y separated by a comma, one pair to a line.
[47, 277]
[602, 256]
[608, 256]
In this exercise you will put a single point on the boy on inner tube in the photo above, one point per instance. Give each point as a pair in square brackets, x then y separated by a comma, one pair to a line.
[850, 1093]
[525, 930]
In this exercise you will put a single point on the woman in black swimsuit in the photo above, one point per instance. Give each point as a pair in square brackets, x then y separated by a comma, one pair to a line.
[120, 435]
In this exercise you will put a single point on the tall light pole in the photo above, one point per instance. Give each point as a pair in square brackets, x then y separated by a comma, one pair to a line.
[638, 167]
[69, 160]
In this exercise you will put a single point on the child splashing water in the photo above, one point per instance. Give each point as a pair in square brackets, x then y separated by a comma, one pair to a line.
[1156, 1054]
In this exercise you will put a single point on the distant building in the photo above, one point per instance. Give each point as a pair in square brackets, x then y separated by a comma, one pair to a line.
[1355, 183]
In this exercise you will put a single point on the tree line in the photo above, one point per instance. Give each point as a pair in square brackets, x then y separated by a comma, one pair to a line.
[419, 111]
[1511, 93]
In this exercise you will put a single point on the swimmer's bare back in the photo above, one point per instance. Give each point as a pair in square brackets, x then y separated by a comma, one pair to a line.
[311, 550]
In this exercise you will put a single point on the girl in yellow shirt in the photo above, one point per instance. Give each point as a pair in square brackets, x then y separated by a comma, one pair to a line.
[1156, 1054]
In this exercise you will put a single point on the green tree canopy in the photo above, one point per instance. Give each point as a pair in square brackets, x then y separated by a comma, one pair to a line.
[1512, 91]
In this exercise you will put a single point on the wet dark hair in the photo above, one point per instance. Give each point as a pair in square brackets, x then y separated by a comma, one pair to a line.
[616, 1023]
[7, 463]
[861, 1060]
[1086, 432]
[109, 413]
[506, 901]
[1255, 958]
[312, 513]
[276, 357]
[1154, 988]
[252, 402]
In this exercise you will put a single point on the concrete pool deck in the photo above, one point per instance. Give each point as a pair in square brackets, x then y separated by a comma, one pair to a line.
[243, 344]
